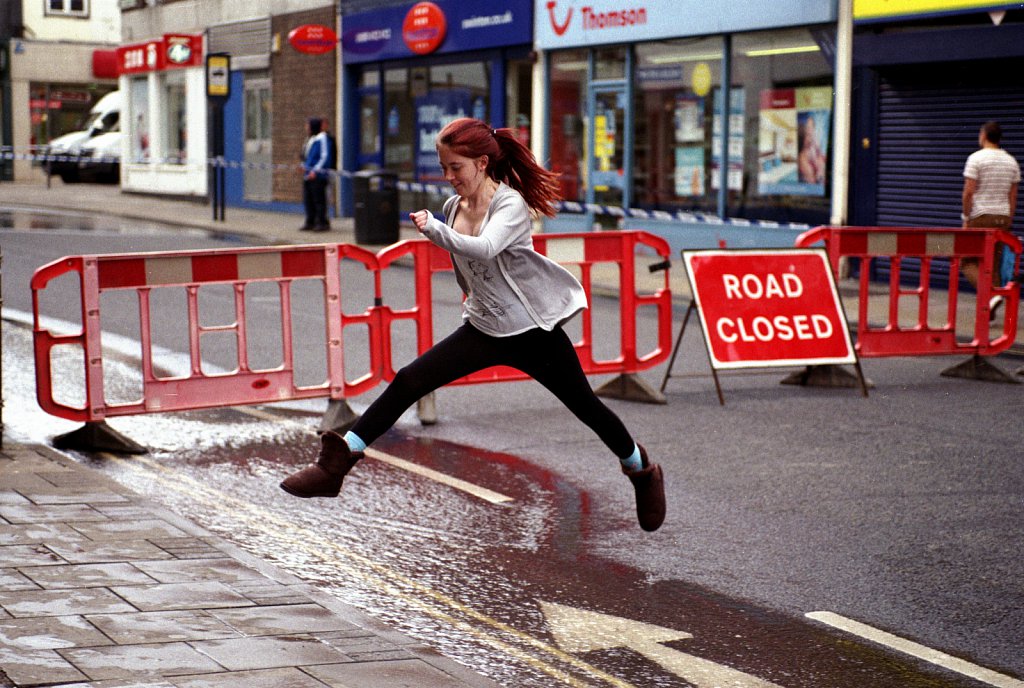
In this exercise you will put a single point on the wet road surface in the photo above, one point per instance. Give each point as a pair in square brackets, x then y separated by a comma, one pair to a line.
[520, 590]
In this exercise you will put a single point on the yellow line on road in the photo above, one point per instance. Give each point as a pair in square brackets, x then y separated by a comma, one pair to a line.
[377, 575]
[443, 478]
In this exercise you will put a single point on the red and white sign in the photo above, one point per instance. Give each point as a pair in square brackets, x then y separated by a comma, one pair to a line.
[424, 28]
[169, 52]
[763, 308]
[313, 39]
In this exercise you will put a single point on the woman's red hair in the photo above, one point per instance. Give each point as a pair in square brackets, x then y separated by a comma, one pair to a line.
[508, 160]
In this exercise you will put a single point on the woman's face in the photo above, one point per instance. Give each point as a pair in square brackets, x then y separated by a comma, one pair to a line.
[466, 175]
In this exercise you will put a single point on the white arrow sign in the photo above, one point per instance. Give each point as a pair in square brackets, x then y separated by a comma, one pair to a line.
[578, 630]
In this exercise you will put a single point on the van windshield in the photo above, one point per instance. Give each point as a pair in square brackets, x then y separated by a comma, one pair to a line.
[101, 122]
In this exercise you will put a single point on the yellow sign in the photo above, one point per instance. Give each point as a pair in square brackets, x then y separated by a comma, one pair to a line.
[701, 79]
[218, 75]
[890, 9]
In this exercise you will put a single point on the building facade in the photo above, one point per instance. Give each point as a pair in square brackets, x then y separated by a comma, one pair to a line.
[688, 117]
[925, 82]
[409, 68]
[59, 62]
[273, 89]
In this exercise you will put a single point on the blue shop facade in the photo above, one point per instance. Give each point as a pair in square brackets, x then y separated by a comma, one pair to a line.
[409, 69]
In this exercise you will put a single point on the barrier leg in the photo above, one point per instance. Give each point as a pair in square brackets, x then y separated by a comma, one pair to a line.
[828, 376]
[630, 387]
[97, 436]
[339, 416]
[978, 368]
[426, 409]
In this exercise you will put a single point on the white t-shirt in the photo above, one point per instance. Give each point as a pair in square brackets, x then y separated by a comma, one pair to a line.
[996, 172]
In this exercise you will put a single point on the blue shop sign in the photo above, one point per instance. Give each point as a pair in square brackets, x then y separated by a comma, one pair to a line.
[437, 28]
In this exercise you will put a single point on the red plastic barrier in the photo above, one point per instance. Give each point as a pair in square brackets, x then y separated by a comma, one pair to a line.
[584, 250]
[189, 271]
[924, 338]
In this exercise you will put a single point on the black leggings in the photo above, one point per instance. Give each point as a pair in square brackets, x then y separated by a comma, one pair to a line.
[547, 357]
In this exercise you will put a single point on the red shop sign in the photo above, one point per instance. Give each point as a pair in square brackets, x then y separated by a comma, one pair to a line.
[769, 308]
[313, 39]
[170, 51]
[424, 28]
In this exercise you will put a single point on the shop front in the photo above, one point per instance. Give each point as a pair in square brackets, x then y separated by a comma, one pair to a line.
[410, 69]
[926, 77]
[164, 119]
[703, 125]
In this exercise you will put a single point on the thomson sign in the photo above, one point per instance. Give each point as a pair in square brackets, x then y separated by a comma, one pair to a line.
[580, 23]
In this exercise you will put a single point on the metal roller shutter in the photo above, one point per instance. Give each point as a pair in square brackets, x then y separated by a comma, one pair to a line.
[928, 122]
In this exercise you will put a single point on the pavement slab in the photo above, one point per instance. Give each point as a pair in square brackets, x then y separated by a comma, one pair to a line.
[50, 633]
[86, 575]
[153, 627]
[168, 596]
[267, 678]
[88, 552]
[408, 673]
[304, 618]
[27, 603]
[27, 555]
[268, 652]
[126, 661]
[37, 667]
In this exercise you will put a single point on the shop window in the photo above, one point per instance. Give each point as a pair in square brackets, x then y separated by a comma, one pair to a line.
[67, 8]
[400, 90]
[139, 95]
[568, 101]
[518, 96]
[781, 161]
[610, 63]
[369, 117]
[176, 124]
[677, 128]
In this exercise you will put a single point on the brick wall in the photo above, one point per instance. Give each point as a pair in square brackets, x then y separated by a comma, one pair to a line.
[303, 86]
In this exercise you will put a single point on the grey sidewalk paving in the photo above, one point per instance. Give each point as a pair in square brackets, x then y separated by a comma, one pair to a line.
[101, 589]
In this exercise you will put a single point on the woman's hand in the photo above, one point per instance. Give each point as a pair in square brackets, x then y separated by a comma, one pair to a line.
[419, 218]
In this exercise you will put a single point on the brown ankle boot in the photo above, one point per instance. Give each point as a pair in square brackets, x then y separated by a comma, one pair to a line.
[323, 478]
[649, 486]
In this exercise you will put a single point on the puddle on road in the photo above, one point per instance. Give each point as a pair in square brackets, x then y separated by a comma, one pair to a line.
[464, 576]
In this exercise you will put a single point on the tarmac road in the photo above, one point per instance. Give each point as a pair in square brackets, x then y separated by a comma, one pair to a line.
[901, 510]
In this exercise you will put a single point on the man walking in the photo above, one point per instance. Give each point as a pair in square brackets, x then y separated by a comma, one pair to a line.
[991, 176]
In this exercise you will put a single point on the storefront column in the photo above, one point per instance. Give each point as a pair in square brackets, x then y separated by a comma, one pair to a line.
[723, 173]
[841, 113]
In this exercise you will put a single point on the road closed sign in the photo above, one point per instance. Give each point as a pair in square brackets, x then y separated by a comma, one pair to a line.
[763, 308]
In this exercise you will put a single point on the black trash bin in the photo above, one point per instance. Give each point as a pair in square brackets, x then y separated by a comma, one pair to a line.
[376, 206]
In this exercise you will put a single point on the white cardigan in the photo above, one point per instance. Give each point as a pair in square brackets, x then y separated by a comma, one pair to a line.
[549, 292]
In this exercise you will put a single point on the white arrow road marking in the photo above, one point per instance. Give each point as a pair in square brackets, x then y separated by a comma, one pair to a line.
[579, 630]
[913, 649]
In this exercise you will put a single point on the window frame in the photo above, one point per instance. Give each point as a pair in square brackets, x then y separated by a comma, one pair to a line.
[67, 11]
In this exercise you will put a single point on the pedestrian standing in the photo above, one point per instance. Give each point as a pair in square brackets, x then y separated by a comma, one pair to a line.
[991, 177]
[516, 303]
[315, 158]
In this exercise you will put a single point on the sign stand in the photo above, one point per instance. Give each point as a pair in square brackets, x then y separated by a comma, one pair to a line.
[218, 90]
[763, 308]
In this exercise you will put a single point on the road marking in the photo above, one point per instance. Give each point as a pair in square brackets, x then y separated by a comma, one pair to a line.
[580, 630]
[913, 649]
[429, 473]
[376, 576]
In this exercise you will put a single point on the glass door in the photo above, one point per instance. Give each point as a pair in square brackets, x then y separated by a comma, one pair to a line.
[258, 171]
[607, 143]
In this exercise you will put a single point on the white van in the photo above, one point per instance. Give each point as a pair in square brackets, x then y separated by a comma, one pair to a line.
[95, 151]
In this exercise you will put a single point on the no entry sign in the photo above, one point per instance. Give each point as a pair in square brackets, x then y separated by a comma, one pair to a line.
[763, 308]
